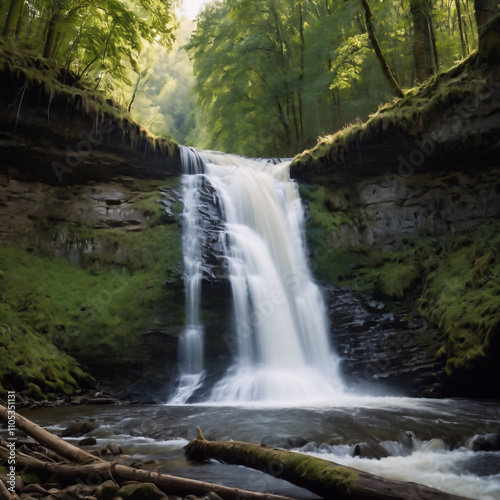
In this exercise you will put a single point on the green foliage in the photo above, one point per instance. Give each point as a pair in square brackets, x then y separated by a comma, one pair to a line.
[164, 100]
[271, 76]
[348, 64]
[97, 40]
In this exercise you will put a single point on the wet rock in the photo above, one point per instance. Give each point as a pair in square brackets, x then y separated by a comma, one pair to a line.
[286, 442]
[114, 449]
[72, 492]
[101, 401]
[87, 442]
[79, 400]
[79, 429]
[368, 450]
[141, 491]
[325, 448]
[381, 352]
[309, 447]
[211, 496]
[486, 442]
[107, 490]
[408, 440]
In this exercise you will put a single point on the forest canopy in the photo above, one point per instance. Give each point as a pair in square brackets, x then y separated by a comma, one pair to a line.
[99, 41]
[273, 75]
[270, 76]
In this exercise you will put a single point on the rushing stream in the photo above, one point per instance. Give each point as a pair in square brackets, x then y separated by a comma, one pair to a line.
[427, 439]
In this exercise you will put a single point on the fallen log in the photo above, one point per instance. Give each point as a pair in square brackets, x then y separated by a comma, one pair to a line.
[5, 494]
[90, 466]
[50, 441]
[326, 479]
[102, 471]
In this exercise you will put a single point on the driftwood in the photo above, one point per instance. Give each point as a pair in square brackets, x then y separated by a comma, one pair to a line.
[5, 494]
[325, 478]
[103, 470]
[89, 466]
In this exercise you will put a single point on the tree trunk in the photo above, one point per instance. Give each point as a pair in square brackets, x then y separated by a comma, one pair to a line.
[13, 16]
[17, 32]
[485, 10]
[378, 51]
[461, 27]
[326, 479]
[423, 52]
[51, 32]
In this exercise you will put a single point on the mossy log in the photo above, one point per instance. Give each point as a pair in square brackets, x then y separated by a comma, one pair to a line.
[325, 478]
[90, 466]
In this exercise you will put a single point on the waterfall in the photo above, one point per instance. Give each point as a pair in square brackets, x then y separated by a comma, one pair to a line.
[191, 338]
[280, 336]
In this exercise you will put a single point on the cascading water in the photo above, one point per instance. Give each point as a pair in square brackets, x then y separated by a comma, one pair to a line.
[280, 332]
[191, 338]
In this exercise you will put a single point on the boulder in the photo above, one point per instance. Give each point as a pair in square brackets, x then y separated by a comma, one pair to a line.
[114, 449]
[79, 429]
[107, 491]
[87, 442]
[141, 491]
[486, 442]
[286, 442]
[368, 450]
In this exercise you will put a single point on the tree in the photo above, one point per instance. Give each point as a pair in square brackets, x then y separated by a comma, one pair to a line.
[485, 10]
[13, 17]
[424, 49]
[378, 50]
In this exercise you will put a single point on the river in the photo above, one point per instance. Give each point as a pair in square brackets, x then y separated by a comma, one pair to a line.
[436, 455]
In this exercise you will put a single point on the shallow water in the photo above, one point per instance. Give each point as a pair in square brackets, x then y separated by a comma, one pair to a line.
[160, 432]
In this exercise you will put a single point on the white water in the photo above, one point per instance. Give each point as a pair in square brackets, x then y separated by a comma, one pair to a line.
[191, 338]
[431, 464]
[281, 331]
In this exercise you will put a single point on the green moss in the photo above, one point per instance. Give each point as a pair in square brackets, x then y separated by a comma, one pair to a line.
[29, 478]
[456, 279]
[396, 279]
[463, 297]
[49, 307]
